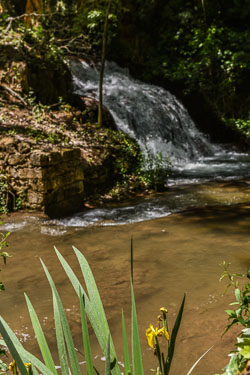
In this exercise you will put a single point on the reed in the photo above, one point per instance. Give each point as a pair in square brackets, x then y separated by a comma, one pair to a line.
[91, 307]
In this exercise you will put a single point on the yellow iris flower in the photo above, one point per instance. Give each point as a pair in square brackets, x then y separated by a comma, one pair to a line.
[13, 367]
[152, 332]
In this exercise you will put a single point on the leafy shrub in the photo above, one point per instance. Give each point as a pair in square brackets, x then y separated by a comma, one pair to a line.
[241, 316]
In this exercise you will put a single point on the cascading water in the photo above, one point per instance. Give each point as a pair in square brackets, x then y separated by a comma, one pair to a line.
[150, 114]
[160, 124]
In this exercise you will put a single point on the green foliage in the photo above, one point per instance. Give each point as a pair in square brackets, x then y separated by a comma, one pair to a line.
[241, 355]
[242, 124]
[128, 161]
[3, 366]
[154, 170]
[212, 60]
[240, 315]
[90, 19]
[92, 305]
[197, 46]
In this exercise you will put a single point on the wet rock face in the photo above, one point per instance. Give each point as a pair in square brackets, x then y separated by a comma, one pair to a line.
[49, 180]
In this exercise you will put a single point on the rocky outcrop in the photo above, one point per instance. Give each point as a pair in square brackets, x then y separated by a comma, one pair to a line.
[45, 179]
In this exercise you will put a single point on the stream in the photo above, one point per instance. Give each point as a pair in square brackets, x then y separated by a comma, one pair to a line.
[180, 237]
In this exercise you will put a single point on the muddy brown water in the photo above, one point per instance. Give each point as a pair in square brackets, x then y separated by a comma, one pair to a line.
[174, 254]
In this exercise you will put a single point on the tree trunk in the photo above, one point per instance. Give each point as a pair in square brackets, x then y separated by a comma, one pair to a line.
[104, 44]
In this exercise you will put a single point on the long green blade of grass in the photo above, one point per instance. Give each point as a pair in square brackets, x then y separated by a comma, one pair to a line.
[68, 338]
[62, 353]
[136, 345]
[95, 299]
[93, 304]
[13, 349]
[127, 367]
[73, 279]
[47, 357]
[132, 258]
[173, 338]
[108, 364]
[24, 354]
[34, 371]
[85, 336]
[89, 307]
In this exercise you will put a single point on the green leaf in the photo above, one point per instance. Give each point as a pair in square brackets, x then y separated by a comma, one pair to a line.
[26, 356]
[62, 353]
[12, 348]
[132, 259]
[243, 343]
[68, 338]
[223, 275]
[40, 337]
[93, 305]
[85, 336]
[234, 321]
[237, 295]
[231, 313]
[3, 366]
[173, 337]
[107, 365]
[136, 345]
[127, 368]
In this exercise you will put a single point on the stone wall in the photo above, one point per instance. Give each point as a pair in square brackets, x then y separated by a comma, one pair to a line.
[44, 178]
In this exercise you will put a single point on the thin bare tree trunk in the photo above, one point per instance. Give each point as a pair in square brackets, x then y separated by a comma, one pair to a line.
[104, 44]
[204, 10]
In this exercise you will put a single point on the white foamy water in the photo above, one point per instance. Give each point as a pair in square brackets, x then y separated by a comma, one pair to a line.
[148, 113]
[160, 124]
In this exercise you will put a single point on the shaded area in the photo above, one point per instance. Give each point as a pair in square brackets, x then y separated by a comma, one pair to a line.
[219, 218]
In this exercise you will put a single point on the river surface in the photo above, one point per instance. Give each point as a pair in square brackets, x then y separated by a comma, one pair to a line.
[180, 239]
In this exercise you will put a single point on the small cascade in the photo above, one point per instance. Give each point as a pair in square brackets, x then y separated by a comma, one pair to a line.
[150, 114]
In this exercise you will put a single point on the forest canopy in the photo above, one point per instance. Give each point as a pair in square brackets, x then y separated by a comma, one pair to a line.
[197, 46]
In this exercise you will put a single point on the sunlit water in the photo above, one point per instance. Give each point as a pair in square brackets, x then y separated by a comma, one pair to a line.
[174, 254]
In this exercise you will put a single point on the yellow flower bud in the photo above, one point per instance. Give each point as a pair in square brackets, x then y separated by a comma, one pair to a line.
[163, 310]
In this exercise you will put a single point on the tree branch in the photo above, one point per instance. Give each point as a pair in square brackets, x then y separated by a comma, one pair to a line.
[13, 93]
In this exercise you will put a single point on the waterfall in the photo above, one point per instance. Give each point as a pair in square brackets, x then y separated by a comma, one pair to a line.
[150, 114]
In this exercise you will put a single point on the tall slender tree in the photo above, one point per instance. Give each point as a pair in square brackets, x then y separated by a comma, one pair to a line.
[104, 47]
